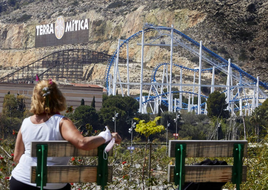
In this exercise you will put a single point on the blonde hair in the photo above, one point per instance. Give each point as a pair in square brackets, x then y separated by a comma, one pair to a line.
[47, 98]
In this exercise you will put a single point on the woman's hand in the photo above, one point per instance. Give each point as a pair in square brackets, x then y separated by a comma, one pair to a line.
[106, 134]
[117, 138]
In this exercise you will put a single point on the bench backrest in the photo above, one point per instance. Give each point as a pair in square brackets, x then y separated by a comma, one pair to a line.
[62, 149]
[207, 148]
[207, 173]
[69, 174]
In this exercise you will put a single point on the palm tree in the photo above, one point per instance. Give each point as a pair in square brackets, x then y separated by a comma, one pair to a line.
[256, 120]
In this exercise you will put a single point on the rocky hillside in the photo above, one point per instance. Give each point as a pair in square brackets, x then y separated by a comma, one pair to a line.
[235, 29]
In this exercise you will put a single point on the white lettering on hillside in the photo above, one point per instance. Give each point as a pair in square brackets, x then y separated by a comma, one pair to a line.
[44, 29]
[76, 25]
[71, 26]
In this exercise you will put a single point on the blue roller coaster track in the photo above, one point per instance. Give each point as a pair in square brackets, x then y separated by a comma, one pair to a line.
[185, 105]
[212, 54]
[164, 101]
[176, 65]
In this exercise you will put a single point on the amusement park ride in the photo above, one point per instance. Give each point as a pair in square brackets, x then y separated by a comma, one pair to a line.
[242, 90]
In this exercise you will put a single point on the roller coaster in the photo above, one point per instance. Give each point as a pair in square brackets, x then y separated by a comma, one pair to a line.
[161, 82]
[243, 96]
[64, 66]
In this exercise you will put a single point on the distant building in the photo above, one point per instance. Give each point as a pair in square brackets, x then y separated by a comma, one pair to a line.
[73, 93]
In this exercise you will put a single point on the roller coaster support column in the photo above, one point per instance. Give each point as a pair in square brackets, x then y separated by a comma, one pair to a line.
[115, 68]
[257, 89]
[228, 85]
[181, 89]
[175, 105]
[189, 103]
[253, 101]
[110, 81]
[141, 78]
[199, 80]
[163, 79]
[212, 80]
[206, 107]
[170, 101]
[240, 107]
[127, 70]
[193, 91]
[156, 105]
[246, 109]
[231, 91]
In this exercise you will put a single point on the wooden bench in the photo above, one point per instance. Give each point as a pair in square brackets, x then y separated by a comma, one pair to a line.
[180, 149]
[42, 174]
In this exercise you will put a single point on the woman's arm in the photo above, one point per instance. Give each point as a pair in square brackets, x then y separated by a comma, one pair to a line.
[19, 148]
[70, 133]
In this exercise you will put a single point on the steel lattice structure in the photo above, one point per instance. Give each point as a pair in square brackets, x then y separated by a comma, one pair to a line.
[68, 65]
[60, 66]
[237, 84]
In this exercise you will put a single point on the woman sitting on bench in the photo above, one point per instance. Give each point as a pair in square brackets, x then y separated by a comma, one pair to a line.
[47, 124]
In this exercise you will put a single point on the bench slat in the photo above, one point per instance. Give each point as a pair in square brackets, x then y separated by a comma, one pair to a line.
[207, 148]
[206, 173]
[63, 149]
[71, 174]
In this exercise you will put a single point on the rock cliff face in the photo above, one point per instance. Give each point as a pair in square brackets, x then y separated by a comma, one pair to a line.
[235, 29]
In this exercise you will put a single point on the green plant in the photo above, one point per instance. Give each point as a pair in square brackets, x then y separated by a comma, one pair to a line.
[223, 50]
[216, 105]
[195, 59]
[243, 55]
[6, 160]
[75, 3]
[11, 2]
[24, 18]
[147, 129]
[93, 102]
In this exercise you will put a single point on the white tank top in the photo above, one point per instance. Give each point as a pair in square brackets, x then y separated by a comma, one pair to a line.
[46, 131]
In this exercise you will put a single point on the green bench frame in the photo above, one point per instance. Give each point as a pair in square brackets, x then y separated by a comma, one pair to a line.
[42, 174]
[181, 149]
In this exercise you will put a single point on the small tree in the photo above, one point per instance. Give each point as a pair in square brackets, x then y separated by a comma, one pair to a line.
[84, 115]
[9, 105]
[14, 110]
[82, 102]
[93, 102]
[21, 106]
[216, 105]
[257, 119]
[147, 129]
[126, 107]
[14, 106]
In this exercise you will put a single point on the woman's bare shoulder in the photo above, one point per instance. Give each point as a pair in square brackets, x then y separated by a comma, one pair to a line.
[66, 121]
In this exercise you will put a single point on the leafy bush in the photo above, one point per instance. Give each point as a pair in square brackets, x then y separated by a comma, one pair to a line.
[1, 8]
[84, 115]
[115, 5]
[24, 18]
[243, 56]
[75, 3]
[216, 105]
[11, 2]
[223, 50]
[195, 59]
[194, 127]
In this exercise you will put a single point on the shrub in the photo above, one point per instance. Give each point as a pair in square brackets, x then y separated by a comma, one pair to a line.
[75, 3]
[24, 18]
[11, 2]
[243, 56]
